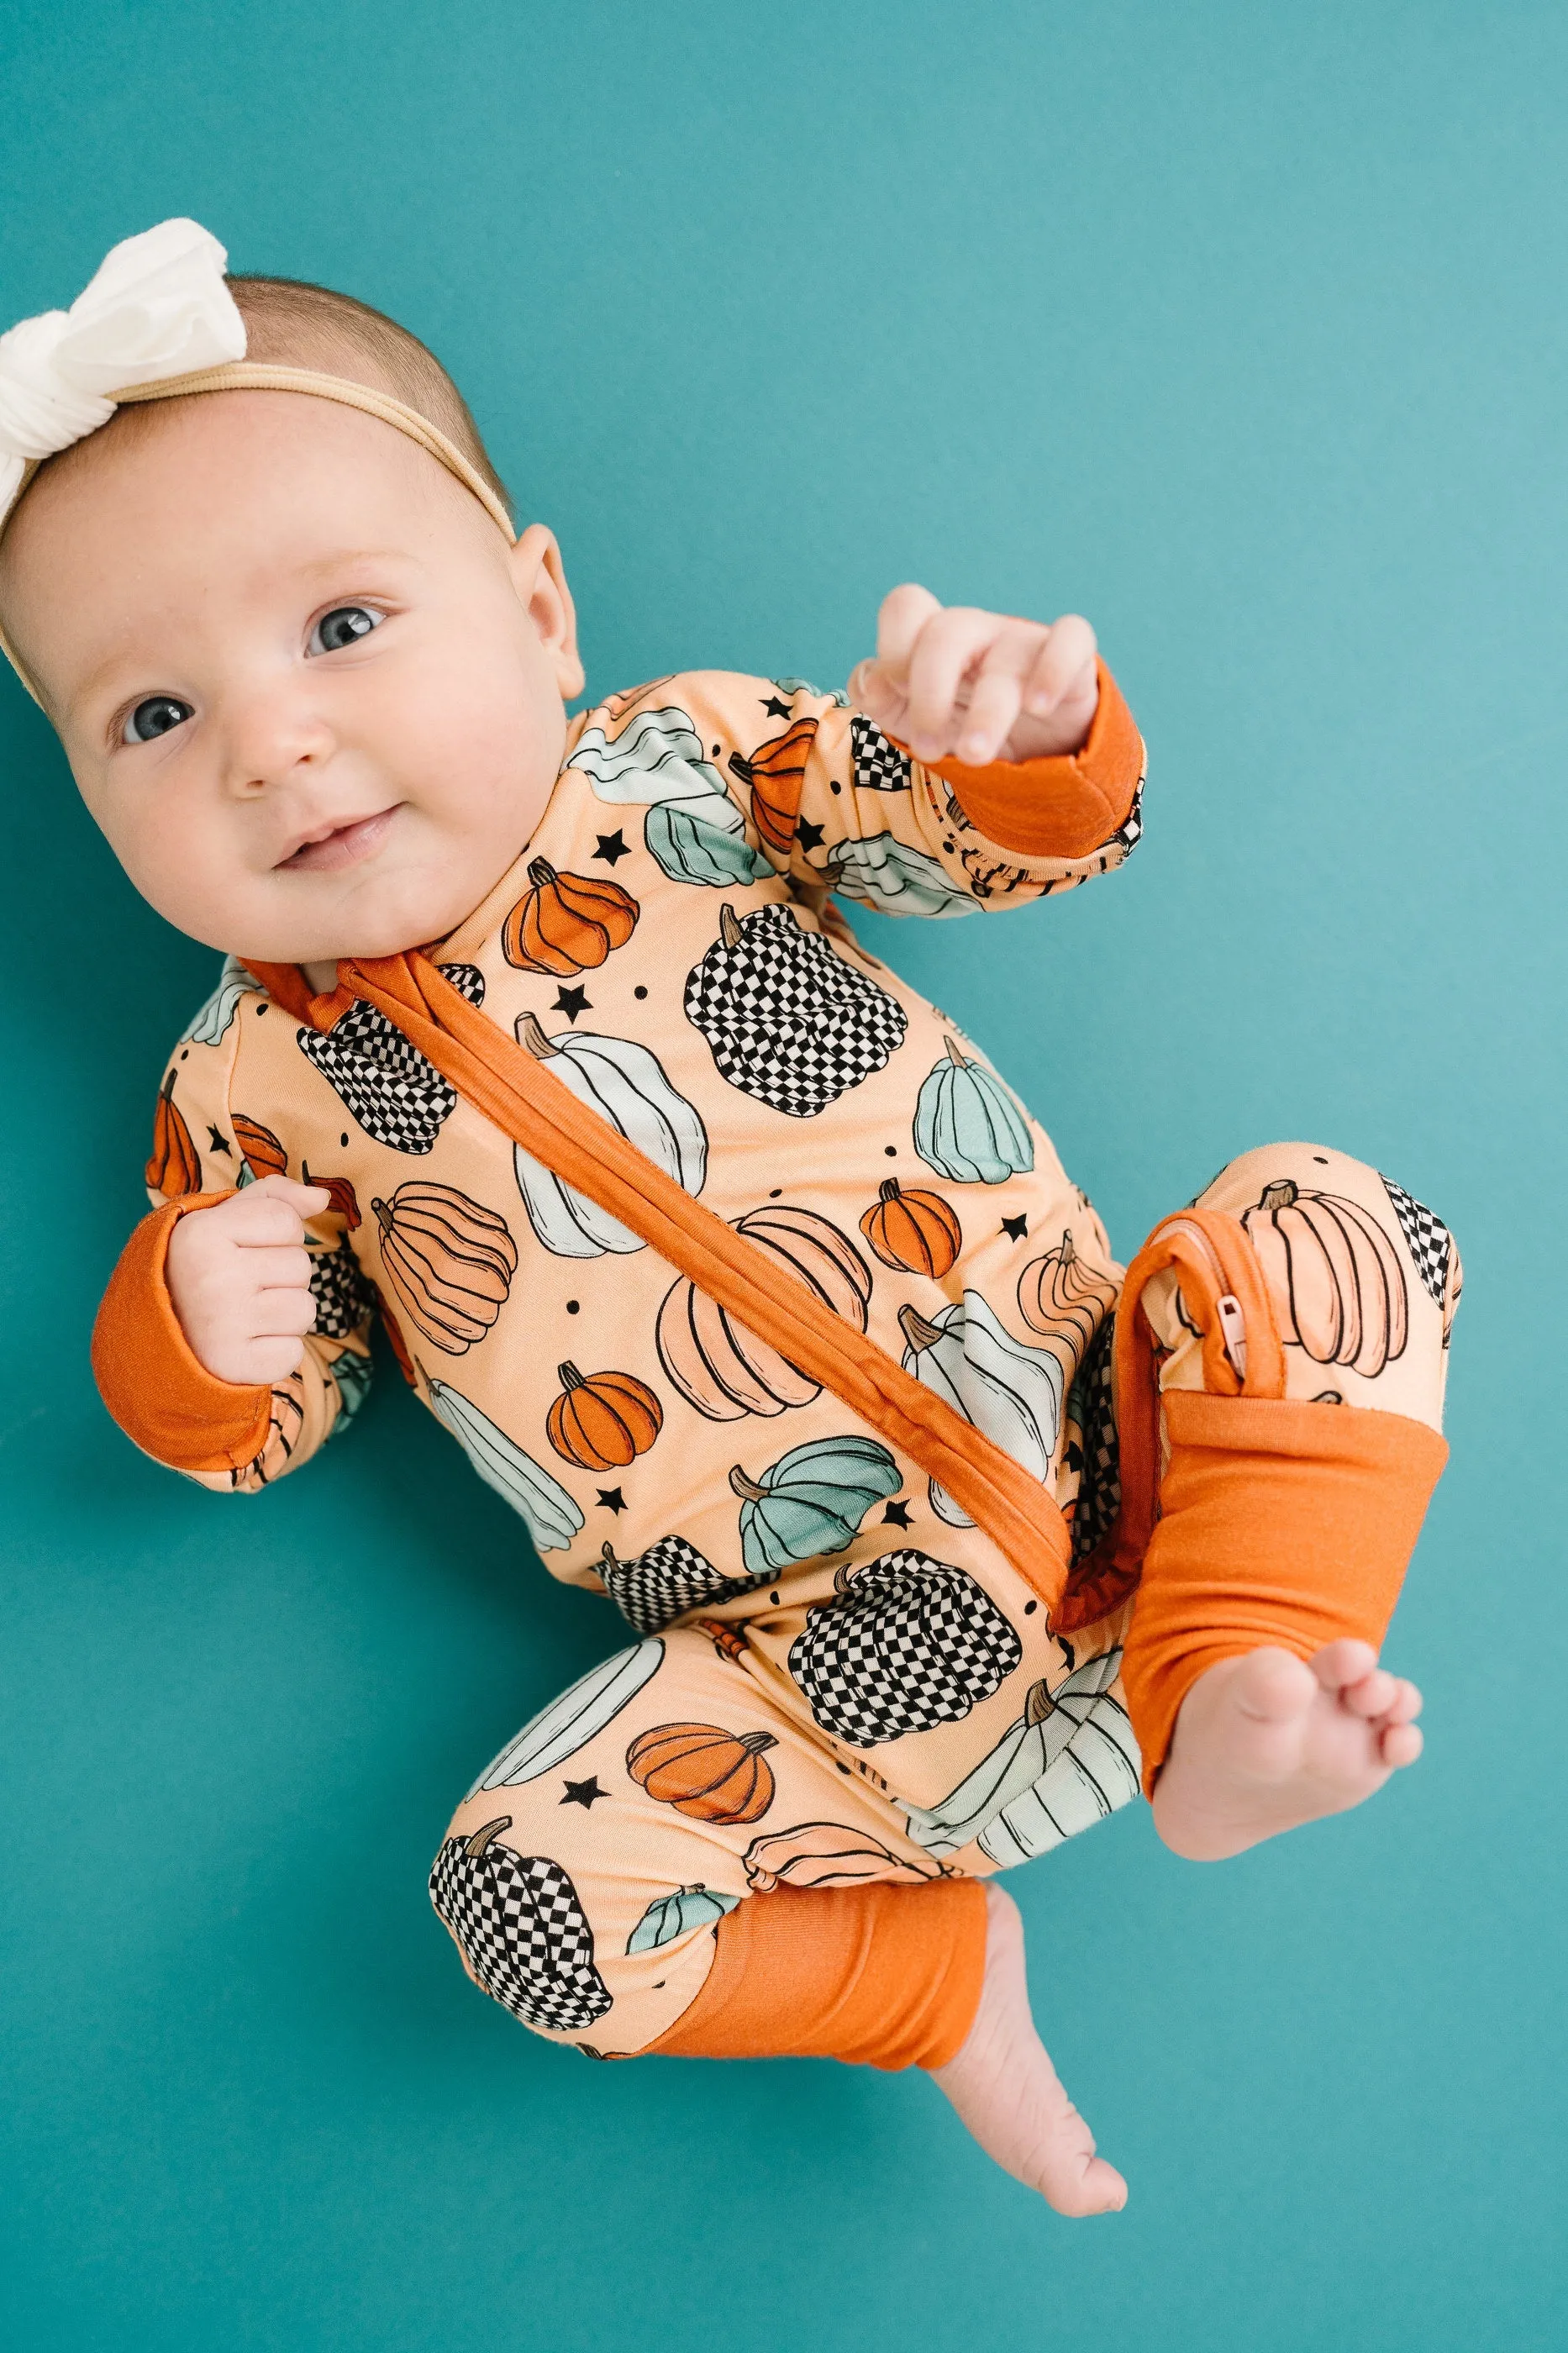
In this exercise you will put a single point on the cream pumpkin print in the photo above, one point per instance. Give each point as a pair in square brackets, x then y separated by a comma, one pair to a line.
[567, 923]
[1064, 1298]
[828, 1854]
[628, 1087]
[1334, 1276]
[449, 1259]
[717, 1363]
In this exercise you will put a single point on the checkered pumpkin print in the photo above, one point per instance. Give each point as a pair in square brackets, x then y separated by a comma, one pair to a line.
[343, 1298]
[517, 1919]
[1099, 1484]
[880, 766]
[397, 1097]
[790, 1022]
[670, 1578]
[908, 1643]
[1426, 1237]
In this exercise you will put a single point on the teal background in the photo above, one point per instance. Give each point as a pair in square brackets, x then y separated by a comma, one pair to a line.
[1242, 329]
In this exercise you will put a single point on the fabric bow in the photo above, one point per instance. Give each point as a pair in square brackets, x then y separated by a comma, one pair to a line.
[156, 308]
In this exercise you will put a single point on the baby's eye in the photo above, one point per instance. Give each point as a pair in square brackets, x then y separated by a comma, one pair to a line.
[340, 627]
[155, 717]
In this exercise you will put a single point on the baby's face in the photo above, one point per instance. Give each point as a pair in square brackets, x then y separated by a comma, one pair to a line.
[312, 696]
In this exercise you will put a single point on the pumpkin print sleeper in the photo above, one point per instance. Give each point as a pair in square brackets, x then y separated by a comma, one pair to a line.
[839, 1685]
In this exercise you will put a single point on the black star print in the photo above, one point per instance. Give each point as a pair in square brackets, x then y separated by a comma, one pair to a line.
[219, 1143]
[897, 1515]
[1016, 1226]
[809, 836]
[583, 1793]
[612, 1499]
[571, 1001]
[612, 846]
[775, 709]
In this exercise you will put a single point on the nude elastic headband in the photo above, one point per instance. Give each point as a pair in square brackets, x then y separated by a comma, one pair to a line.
[158, 322]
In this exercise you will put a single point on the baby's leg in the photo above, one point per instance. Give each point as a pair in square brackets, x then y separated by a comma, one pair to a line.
[1289, 1507]
[665, 1861]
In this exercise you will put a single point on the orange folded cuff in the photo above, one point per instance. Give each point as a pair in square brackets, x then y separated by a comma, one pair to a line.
[1065, 807]
[158, 1390]
[1282, 1522]
[883, 1977]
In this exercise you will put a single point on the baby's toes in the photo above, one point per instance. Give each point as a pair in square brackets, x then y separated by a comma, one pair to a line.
[1400, 1745]
[1340, 1665]
[1373, 1697]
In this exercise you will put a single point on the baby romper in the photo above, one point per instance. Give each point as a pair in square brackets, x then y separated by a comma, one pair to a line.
[841, 1681]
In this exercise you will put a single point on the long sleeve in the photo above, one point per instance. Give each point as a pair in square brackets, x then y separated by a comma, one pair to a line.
[225, 1436]
[837, 804]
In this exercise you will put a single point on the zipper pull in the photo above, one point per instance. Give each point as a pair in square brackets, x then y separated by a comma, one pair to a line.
[1233, 1332]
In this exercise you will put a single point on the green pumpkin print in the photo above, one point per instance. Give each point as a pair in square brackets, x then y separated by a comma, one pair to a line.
[571, 1720]
[967, 1126]
[884, 872]
[789, 1021]
[669, 1916]
[552, 1517]
[693, 831]
[812, 1500]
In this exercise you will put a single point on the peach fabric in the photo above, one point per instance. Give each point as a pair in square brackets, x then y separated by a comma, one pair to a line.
[502, 1079]
[1064, 807]
[159, 1392]
[882, 1977]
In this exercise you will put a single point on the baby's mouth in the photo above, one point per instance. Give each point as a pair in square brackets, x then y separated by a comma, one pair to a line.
[342, 845]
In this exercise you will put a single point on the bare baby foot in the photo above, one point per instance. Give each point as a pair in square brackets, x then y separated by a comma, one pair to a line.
[1266, 1742]
[1009, 2095]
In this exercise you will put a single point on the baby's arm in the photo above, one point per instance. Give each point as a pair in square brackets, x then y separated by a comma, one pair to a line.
[225, 1347]
[982, 760]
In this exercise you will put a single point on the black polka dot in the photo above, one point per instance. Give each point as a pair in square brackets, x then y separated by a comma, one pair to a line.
[185, 1054]
[572, 1306]
[639, 992]
[891, 1150]
[774, 1600]
[716, 749]
[776, 1193]
[259, 1011]
[1030, 1608]
[837, 786]
[343, 1141]
[1320, 1159]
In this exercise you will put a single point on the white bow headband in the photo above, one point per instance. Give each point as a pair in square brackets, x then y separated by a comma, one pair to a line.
[156, 322]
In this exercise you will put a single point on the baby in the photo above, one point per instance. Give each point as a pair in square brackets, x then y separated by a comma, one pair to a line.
[728, 1262]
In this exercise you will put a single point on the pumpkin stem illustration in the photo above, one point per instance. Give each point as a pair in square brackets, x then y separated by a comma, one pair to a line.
[746, 1487]
[167, 1088]
[531, 1033]
[382, 1215]
[607, 1555]
[1039, 1704]
[753, 1743]
[955, 1055]
[568, 1377]
[741, 767]
[540, 872]
[729, 931]
[479, 1844]
[1281, 1196]
[916, 1330]
[1068, 1254]
[890, 1188]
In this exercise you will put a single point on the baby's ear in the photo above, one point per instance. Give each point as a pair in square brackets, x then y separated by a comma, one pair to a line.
[539, 578]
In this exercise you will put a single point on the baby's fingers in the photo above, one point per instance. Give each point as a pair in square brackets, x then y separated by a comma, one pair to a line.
[951, 645]
[305, 1200]
[1064, 665]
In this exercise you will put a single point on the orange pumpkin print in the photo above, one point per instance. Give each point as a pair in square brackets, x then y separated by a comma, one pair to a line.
[1334, 1275]
[704, 1771]
[344, 1201]
[264, 1155]
[175, 1168]
[567, 923]
[917, 1233]
[602, 1422]
[773, 774]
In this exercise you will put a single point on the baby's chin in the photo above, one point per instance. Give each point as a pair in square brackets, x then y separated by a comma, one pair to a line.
[408, 911]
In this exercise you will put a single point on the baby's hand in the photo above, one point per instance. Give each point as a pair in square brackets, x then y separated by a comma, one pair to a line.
[239, 1276]
[955, 684]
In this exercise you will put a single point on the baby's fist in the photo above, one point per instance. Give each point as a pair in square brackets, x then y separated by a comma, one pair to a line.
[239, 1276]
[955, 684]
